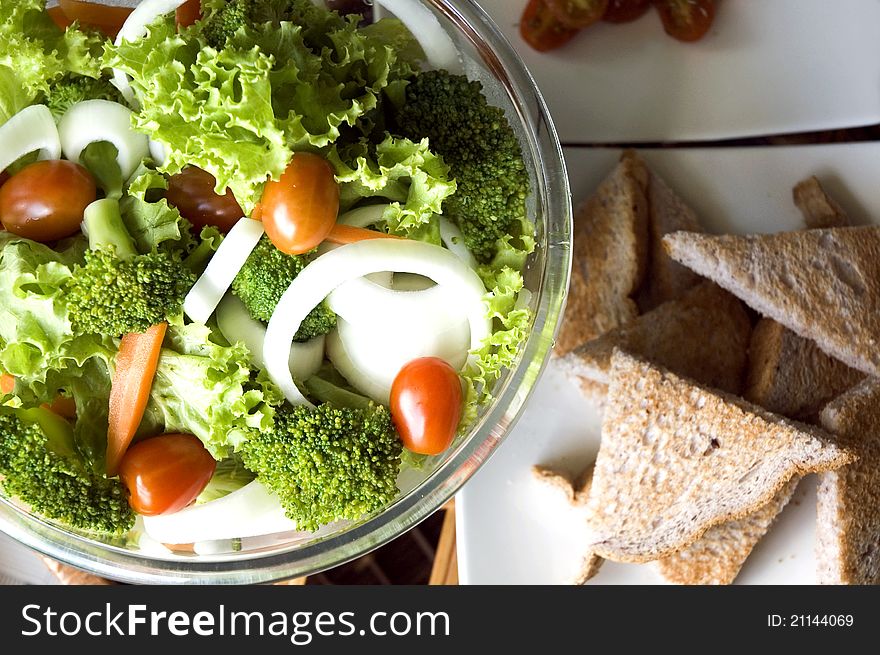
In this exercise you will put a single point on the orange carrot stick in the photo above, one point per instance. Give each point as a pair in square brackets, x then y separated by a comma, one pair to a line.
[343, 234]
[136, 366]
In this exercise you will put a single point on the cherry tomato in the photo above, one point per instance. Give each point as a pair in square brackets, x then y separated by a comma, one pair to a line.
[3, 177]
[625, 11]
[686, 20]
[577, 14]
[540, 28]
[45, 201]
[426, 405]
[58, 17]
[165, 474]
[106, 18]
[192, 192]
[300, 209]
[188, 13]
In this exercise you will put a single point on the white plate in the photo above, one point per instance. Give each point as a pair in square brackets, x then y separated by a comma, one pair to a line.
[767, 66]
[510, 528]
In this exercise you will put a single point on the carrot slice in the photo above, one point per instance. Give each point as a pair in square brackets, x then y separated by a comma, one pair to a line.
[7, 383]
[135, 369]
[343, 234]
[59, 17]
[188, 13]
[108, 19]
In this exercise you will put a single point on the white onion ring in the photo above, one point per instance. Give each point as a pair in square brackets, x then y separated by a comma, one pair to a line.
[424, 26]
[102, 120]
[134, 28]
[210, 288]
[247, 512]
[236, 324]
[31, 129]
[322, 276]
[363, 216]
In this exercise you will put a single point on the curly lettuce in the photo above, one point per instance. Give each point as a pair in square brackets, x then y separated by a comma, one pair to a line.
[207, 389]
[39, 52]
[292, 82]
[407, 173]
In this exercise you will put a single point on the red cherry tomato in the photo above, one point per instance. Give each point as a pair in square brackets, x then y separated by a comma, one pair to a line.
[686, 20]
[300, 209]
[188, 13]
[45, 201]
[625, 11]
[192, 192]
[106, 18]
[426, 405]
[541, 29]
[165, 474]
[3, 177]
[577, 14]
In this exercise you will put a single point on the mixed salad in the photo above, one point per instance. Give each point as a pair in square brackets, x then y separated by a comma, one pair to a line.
[258, 256]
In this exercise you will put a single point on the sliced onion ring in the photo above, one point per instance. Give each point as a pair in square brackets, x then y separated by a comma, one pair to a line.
[363, 216]
[317, 280]
[134, 28]
[102, 120]
[250, 511]
[236, 324]
[208, 291]
[31, 129]
[424, 26]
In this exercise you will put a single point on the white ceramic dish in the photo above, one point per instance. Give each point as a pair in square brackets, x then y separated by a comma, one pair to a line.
[765, 67]
[513, 530]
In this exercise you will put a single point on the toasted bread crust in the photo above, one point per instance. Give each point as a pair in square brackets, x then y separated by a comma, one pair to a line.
[667, 279]
[848, 527]
[610, 256]
[790, 375]
[704, 335]
[718, 556]
[677, 459]
[818, 208]
[823, 285]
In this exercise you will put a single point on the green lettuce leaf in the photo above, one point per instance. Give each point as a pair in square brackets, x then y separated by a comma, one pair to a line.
[511, 319]
[407, 173]
[39, 52]
[208, 389]
[13, 97]
[148, 217]
[295, 81]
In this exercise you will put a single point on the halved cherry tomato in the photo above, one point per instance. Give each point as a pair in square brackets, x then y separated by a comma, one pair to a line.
[45, 201]
[686, 20]
[625, 11]
[577, 14]
[188, 13]
[426, 405]
[300, 209]
[107, 18]
[165, 474]
[192, 192]
[540, 28]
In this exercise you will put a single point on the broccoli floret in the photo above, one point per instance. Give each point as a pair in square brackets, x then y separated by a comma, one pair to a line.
[117, 290]
[76, 88]
[477, 142]
[265, 277]
[40, 466]
[328, 463]
[226, 20]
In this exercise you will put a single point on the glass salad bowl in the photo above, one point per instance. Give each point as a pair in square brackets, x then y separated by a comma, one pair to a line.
[489, 58]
